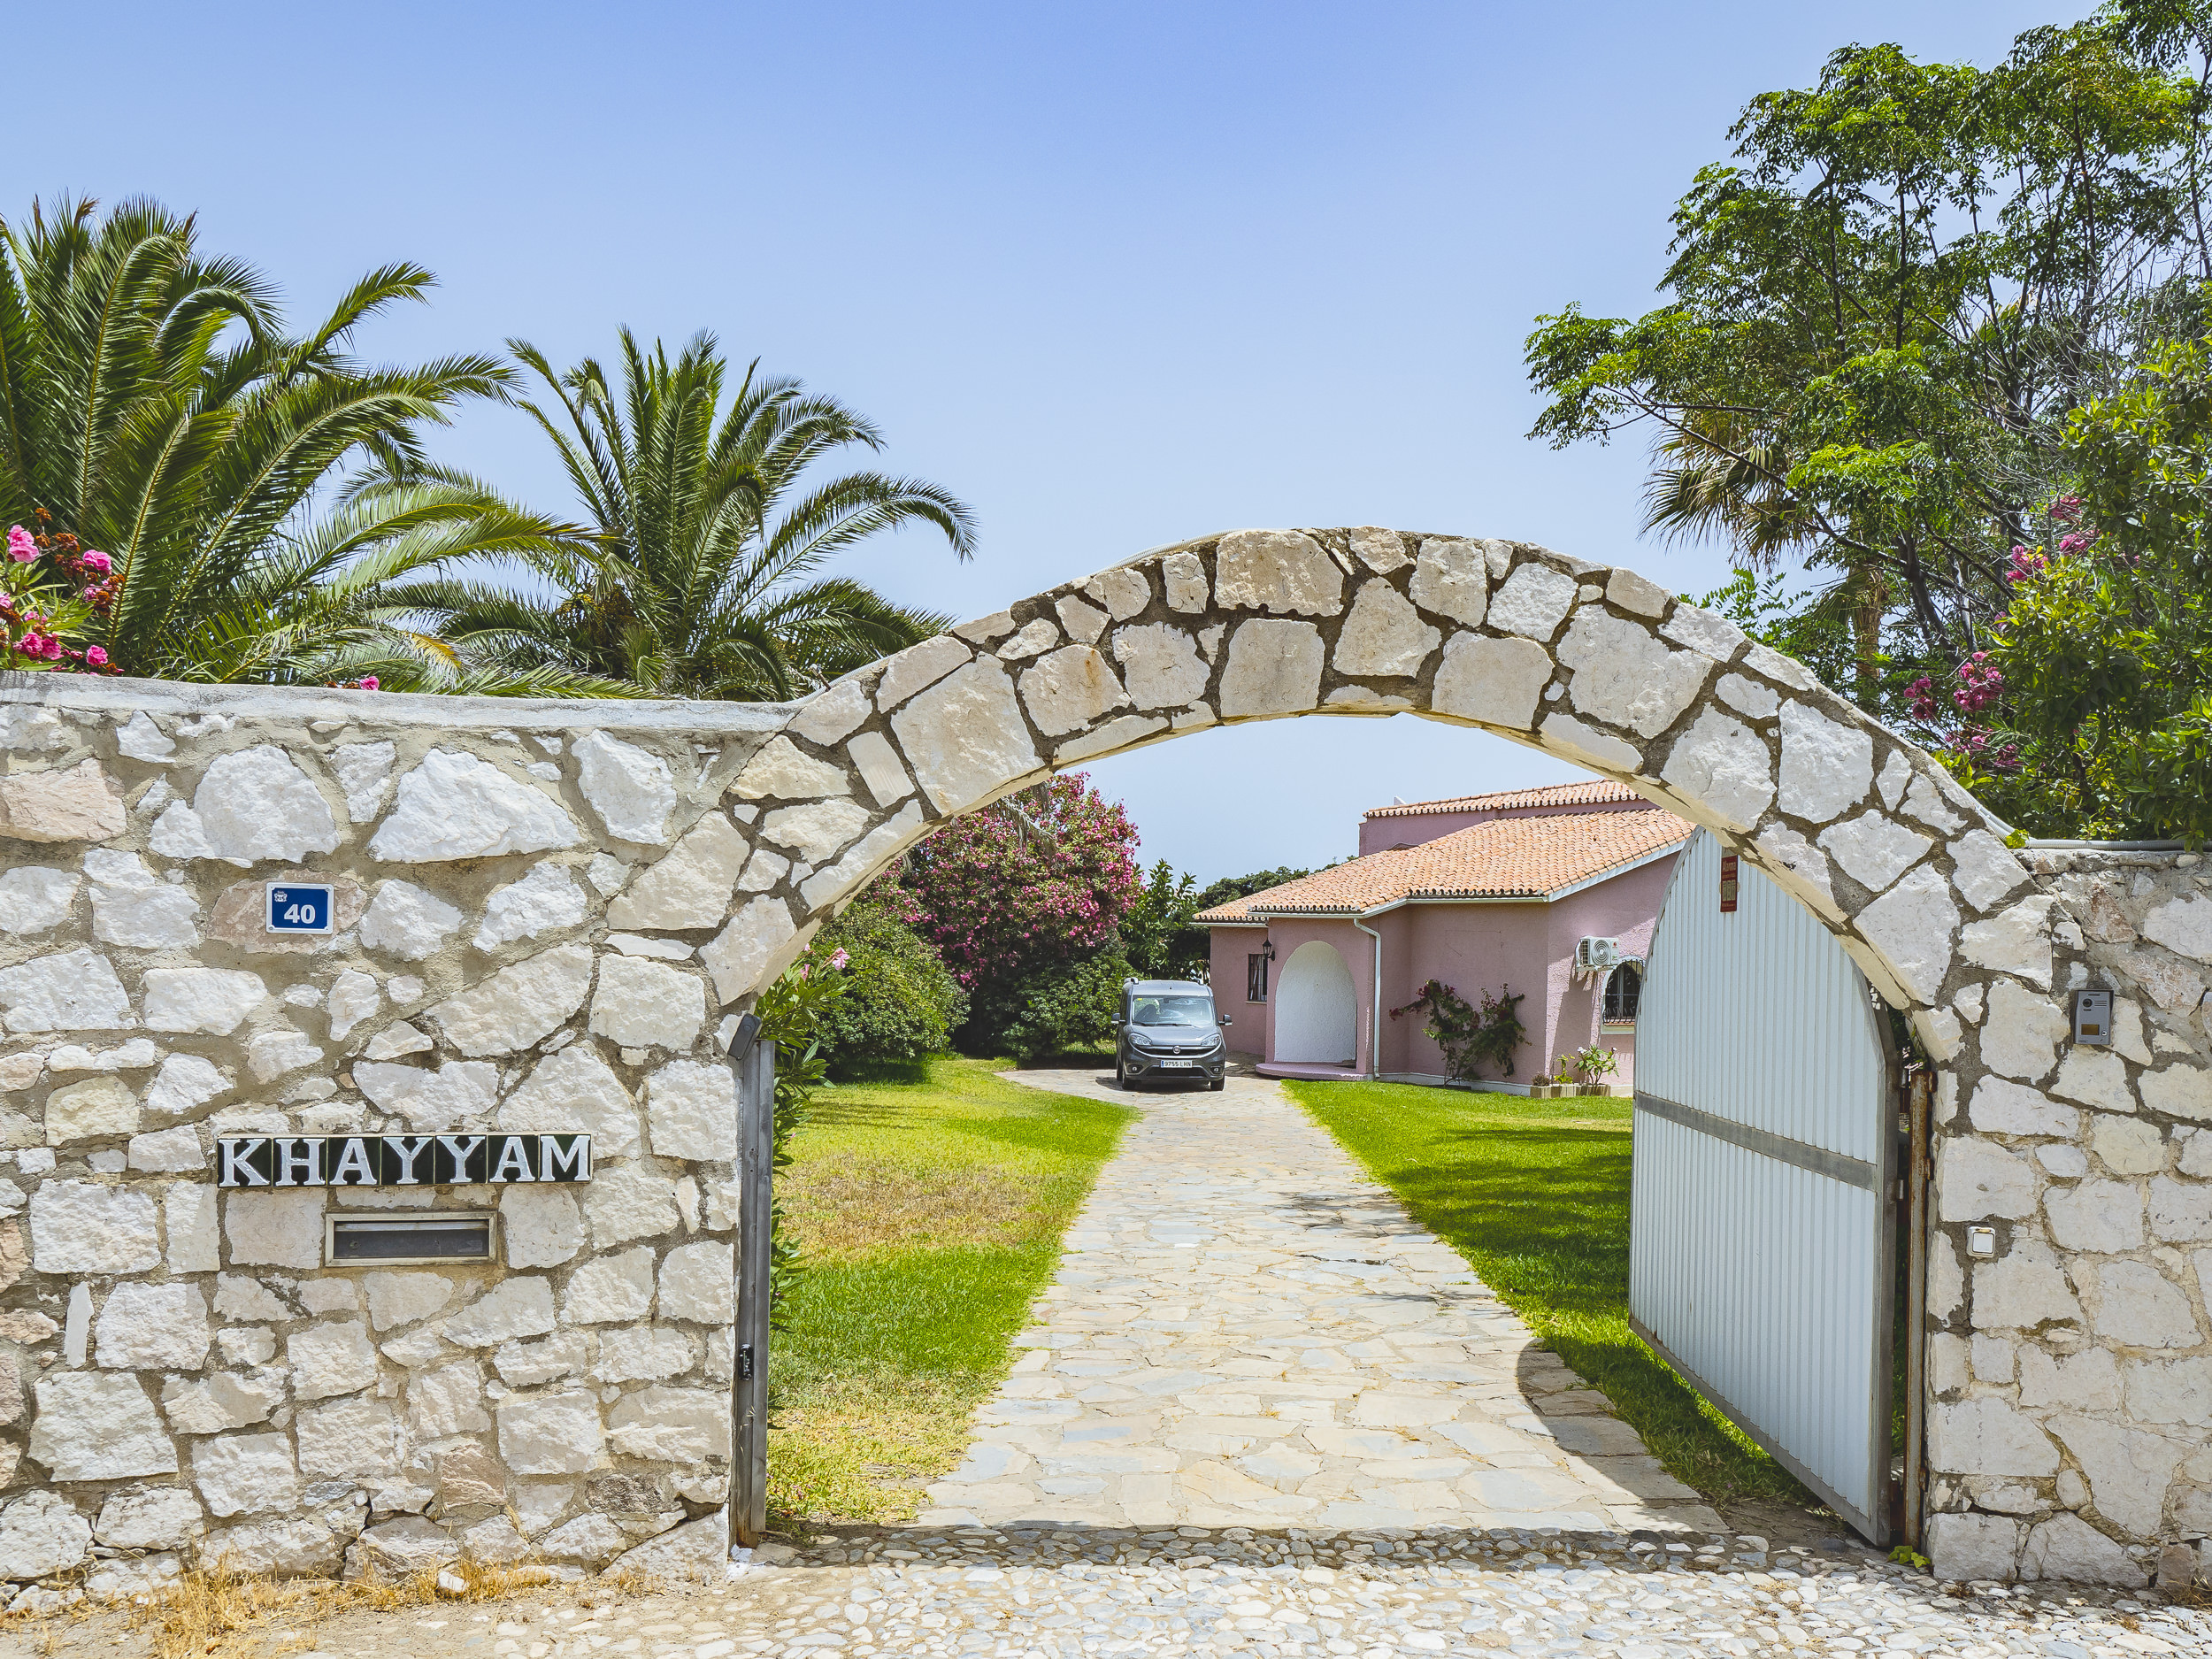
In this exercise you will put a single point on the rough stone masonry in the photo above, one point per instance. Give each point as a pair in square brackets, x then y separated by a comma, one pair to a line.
[547, 912]
[182, 1379]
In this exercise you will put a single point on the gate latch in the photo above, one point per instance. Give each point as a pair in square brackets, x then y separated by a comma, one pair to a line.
[745, 1362]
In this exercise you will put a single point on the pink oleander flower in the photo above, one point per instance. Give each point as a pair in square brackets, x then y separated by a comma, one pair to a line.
[22, 548]
[369, 682]
[95, 657]
[31, 645]
[51, 650]
[97, 562]
[838, 959]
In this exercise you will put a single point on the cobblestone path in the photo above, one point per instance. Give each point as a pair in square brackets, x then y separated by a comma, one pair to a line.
[1052, 1593]
[1246, 1331]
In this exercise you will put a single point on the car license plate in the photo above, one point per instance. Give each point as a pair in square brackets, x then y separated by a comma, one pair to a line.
[1185, 1065]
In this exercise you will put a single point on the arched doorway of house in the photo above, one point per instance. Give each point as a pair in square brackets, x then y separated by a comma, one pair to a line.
[1316, 1012]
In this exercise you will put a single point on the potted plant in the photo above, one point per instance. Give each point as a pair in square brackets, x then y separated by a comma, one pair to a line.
[1592, 1066]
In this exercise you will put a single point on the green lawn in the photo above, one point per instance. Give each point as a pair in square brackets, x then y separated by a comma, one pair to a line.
[1534, 1193]
[927, 1205]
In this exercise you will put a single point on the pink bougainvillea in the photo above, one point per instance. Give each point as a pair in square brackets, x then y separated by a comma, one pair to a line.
[1042, 877]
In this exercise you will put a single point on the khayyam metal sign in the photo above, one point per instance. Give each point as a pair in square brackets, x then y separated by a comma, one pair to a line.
[282, 1161]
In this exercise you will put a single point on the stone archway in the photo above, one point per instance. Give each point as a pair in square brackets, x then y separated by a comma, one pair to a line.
[1608, 670]
[528, 896]
[1596, 664]
[1317, 1014]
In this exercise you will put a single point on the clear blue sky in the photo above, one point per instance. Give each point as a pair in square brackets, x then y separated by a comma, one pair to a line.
[1117, 274]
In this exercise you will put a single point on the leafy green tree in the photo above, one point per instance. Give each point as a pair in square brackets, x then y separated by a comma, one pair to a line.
[705, 575]
[2091, 713]
[1880, 312]
[1156, 934]
[259, 495]
[1764, 607]
[795, 1013]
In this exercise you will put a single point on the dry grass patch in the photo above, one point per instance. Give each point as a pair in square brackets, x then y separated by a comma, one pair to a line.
[216, 1611]
[848, 1210]
[928, 1210]
[862, 1449]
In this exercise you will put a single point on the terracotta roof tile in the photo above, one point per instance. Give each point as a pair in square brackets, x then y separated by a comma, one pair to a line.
[1506, 857]
[1511, 800]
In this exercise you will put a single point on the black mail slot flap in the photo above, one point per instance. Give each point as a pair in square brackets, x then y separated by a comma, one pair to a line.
[409, 1239]
[248, 1161]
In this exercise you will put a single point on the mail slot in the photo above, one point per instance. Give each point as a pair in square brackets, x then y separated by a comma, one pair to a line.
[351, 1241]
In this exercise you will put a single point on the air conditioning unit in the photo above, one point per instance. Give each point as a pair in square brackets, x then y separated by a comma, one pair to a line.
[1597, 955]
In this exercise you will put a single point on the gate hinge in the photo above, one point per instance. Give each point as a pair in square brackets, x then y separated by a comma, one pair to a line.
[745, 1362]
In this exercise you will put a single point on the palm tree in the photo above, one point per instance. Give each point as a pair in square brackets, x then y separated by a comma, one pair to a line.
[1716, 473]
[259, 494]
[705, 573]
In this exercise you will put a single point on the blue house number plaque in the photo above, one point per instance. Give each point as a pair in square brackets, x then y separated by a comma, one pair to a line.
[299, 908]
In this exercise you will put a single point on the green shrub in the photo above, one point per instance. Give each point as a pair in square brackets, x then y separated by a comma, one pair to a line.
[901, 1002]
[1057, 1007]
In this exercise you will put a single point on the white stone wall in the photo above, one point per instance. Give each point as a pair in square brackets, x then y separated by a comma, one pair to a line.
[2071, 1417]
[522, 889]
[550, 907]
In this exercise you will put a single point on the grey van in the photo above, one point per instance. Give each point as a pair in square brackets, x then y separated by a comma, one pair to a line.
[1166, 1030]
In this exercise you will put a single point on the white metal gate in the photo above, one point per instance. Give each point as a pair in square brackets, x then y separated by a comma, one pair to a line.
[1761, 1246]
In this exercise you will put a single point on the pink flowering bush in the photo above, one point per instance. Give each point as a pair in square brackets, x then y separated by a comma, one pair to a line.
[1042, 877]
[1023, 900]
[52, 592]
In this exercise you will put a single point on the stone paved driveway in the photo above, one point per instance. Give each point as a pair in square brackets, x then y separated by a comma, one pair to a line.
[1247, 1332]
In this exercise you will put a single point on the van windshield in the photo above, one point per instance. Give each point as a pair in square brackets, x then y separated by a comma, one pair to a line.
[1171, 1011]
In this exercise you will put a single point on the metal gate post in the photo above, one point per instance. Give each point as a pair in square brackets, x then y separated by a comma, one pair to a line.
[756, 1149]
[1919, 1103]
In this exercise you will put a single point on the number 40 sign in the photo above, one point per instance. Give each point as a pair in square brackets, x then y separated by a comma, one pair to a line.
[296, 907]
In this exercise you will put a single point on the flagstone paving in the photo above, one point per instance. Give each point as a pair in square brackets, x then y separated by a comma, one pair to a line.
[1246, 1331]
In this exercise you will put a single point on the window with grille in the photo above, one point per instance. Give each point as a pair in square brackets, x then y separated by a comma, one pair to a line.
[1256, 978]
[1624, 990]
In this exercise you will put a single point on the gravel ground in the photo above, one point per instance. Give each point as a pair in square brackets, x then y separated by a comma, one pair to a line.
[1053, 1593]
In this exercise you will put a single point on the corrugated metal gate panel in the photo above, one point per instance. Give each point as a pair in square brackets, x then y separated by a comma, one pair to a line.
[1760, 1256]
[1760, 1017]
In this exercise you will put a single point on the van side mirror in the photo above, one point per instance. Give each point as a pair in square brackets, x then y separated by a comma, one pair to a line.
[1226, 1020]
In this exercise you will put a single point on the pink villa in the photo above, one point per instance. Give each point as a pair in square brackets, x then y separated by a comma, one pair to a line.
[1524, 889]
